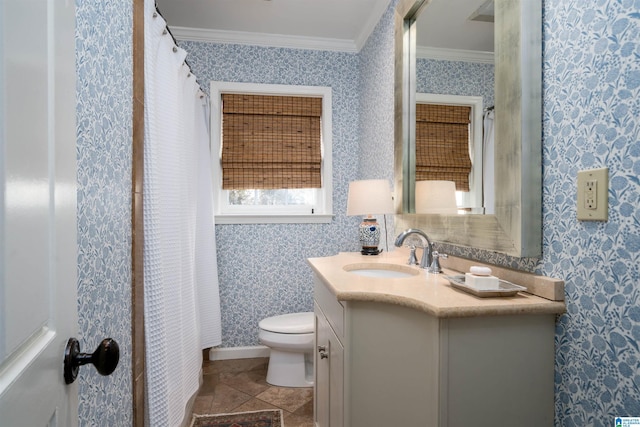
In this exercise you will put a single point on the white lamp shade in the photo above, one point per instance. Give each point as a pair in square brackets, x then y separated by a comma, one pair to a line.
[436, 197]
[370, 196]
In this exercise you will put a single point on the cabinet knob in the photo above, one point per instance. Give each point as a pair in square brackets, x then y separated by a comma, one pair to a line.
[322, 348]
[324, 355]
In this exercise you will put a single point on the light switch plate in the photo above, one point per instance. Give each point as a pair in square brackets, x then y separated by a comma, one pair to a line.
[593, 194]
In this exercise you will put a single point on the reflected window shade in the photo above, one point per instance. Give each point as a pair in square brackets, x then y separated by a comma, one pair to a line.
[271, 142]
[442, 144]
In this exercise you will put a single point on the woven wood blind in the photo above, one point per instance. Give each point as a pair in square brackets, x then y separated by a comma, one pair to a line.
[442, 144]
[270, 142]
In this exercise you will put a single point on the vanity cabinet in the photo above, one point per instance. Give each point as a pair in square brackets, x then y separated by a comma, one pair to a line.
[382, 363]
[329, 359]
[329, 378]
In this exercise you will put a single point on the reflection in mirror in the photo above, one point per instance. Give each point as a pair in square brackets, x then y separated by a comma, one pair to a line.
[456, 29]
[455, 66]
[452, 146]
[436, 196]
[514, 227]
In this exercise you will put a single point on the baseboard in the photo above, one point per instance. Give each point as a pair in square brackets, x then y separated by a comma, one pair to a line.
[238, 352]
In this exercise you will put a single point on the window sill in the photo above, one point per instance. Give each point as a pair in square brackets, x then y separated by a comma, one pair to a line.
[274, 219]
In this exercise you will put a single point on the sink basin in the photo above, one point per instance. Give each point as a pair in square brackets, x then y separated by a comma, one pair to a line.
[389, 271]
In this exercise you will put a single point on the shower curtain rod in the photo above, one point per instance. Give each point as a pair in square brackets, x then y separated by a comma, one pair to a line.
[175, 41]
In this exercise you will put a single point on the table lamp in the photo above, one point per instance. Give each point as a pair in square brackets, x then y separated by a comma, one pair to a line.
[369, 197]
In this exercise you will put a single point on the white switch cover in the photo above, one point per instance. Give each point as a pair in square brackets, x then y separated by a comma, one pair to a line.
[593, 194]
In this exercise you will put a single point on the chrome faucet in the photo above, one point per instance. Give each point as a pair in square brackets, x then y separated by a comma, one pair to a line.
[427, 248]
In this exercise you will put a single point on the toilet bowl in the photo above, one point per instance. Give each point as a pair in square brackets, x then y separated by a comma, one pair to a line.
[290, 338]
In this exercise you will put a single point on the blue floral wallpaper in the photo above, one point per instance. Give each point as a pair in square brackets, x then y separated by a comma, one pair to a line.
[591, 119]
[376, 104]
[262, 267]
[104, 133]
[455, 78]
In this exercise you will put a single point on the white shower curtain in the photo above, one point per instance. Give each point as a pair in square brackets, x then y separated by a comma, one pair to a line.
[182, 307]
[488, 161]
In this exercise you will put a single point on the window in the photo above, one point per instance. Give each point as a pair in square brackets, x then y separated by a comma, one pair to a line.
[468, 165]
[442, 144]
[272, 153]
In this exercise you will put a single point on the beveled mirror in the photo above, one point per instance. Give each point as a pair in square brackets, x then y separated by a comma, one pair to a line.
[516, 227]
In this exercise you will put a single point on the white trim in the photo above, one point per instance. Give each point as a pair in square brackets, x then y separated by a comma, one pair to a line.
[273, 219]
[264, 39]
[239, 352]
[455, 55]
[473, 198]
[325, 204]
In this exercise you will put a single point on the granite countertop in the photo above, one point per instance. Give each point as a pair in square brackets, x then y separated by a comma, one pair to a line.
[432, 293]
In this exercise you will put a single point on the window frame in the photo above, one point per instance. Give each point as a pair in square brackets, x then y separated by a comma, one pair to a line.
[278, 214]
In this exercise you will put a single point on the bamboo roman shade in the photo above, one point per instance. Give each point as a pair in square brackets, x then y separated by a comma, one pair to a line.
[270, 142]
[442, 144]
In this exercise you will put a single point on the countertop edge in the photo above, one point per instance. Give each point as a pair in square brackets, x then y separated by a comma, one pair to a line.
[551, 307]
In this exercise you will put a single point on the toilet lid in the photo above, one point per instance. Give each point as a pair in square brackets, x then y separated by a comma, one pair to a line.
[293, 323]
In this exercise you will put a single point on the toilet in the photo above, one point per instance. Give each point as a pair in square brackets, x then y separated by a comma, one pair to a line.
[290, 338]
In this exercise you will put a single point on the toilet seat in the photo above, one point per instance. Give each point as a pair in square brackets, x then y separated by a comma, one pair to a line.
[293, 323]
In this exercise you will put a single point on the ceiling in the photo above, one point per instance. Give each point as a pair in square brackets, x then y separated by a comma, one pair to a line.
[446, 24]
[320, 24]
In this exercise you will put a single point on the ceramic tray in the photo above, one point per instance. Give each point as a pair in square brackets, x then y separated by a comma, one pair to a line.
[505, 289]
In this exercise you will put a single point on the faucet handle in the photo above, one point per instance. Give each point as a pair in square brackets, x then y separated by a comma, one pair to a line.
[413, 260]
[435, 264]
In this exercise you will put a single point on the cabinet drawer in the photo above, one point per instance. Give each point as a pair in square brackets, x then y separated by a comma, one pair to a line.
[332, 308]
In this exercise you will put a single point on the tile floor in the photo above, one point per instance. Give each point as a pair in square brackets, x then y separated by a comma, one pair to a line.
[240, 385]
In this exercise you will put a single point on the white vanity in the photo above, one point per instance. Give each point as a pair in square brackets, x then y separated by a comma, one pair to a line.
[414, 351]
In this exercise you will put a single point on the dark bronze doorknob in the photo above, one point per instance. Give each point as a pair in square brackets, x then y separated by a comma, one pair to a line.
[105, 358]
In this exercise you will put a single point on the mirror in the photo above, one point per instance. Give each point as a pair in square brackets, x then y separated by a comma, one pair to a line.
[516, 226]
[455, 67]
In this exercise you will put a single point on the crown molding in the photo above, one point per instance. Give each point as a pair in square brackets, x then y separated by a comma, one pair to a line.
[455, 55]
[263, 39]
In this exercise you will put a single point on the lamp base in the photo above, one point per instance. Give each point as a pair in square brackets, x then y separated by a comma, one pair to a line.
[370, 251]
[369, 236]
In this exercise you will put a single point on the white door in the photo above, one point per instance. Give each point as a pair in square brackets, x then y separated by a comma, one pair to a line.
[38, 308]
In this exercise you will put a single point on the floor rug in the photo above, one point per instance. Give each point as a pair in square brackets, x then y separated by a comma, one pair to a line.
[268, 418]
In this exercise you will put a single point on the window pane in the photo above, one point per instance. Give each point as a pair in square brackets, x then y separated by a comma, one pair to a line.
[278, 197]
